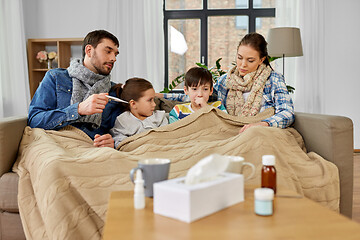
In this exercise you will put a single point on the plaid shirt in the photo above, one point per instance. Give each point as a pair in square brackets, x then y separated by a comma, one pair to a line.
[275, 95]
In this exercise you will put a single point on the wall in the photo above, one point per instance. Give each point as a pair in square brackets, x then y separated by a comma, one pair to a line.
[61, 19]
[342, 51]
[67, 18]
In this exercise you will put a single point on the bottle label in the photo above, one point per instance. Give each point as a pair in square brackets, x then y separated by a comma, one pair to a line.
[264, 208]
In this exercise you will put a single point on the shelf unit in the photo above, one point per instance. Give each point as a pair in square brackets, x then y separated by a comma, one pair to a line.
[37, 70]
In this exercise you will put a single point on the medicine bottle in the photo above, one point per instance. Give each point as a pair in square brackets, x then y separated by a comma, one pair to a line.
[139, 192]
[268, 172]
[263, 204]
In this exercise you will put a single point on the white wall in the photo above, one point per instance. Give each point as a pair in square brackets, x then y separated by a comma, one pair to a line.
[342, 52]
[61, 19]
[68, 18]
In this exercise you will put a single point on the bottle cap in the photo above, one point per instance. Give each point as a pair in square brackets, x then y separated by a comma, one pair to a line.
[139, 178]
[264, 194]
[268, 160]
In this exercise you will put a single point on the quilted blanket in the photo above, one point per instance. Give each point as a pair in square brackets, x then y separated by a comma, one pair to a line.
[65, 182]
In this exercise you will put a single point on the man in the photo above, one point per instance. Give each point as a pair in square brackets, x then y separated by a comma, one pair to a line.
[77, 95]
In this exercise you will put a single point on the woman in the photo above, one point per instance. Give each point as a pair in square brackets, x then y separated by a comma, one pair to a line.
[253, 86]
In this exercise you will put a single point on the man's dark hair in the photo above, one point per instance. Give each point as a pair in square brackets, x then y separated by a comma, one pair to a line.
[94, 38]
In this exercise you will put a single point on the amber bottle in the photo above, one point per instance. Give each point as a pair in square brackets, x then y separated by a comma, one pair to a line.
[268, 172]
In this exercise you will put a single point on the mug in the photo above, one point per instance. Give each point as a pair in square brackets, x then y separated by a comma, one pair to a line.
[153, 170]
[237, 164]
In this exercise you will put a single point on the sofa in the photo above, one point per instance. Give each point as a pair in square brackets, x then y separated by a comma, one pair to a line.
[329, 136]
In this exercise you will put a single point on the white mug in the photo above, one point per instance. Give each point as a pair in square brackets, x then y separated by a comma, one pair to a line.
[237, 164]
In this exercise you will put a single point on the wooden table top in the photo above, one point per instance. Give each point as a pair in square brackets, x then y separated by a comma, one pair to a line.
[293, 218]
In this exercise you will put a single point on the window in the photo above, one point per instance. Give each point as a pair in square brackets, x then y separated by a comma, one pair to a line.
[206, 30]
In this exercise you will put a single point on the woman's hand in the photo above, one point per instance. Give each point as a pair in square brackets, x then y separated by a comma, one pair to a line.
[103, 141]
[247, 126]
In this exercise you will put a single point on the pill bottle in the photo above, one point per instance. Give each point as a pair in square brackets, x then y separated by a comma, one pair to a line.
[264, 201]
[268, 172]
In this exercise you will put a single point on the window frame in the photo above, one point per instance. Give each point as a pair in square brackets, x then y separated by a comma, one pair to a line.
[203, 15]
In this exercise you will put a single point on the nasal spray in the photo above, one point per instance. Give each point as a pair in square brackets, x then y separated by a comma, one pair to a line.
[139, 192]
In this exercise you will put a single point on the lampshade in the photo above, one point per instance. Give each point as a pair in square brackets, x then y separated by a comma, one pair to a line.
[284, 42]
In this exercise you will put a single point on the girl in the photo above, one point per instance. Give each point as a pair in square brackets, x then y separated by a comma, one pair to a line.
[140, 114]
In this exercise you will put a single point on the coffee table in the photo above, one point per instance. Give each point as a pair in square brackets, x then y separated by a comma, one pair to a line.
[294, 218]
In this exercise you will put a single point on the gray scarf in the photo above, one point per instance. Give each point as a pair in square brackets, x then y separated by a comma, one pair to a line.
[86, 83]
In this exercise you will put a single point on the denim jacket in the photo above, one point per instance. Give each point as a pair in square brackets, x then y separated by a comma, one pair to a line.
[50, 107]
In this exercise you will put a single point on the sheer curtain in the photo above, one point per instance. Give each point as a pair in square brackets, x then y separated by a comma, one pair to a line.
[138, 24]
[305, 73]
[310, 96]
[287, 15]
[14, 84]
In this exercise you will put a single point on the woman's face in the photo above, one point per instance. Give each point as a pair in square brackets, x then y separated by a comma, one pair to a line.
[248, 60]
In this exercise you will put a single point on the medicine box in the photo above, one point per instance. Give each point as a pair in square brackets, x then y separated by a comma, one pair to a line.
[174, 199]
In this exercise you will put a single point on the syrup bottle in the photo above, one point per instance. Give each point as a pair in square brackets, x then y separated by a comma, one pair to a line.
[268, 172]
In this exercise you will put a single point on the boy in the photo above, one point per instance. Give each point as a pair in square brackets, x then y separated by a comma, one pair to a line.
[199, 87]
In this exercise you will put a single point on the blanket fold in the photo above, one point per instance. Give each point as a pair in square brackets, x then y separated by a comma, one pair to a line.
[65, 182]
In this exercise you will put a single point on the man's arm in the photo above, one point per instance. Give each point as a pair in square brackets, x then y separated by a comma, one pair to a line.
[45, 111]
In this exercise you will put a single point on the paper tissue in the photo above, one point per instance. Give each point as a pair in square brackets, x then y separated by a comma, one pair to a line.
[206, 189]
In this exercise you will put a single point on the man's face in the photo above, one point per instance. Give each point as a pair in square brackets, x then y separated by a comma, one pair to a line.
[103, 57]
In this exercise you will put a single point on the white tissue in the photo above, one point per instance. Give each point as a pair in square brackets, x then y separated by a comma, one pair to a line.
[207, 169]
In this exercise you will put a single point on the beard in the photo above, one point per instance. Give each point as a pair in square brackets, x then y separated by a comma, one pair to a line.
[102, 69]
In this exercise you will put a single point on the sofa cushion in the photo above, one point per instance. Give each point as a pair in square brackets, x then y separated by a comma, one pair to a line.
[11, 227]
[11, 130]
[8, 192]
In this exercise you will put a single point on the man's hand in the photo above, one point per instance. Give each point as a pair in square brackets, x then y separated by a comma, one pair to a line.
[103, 141]
[247, 126]
[93, 104]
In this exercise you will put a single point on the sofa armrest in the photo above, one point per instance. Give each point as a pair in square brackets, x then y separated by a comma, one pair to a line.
[11, 131]
[332, 138]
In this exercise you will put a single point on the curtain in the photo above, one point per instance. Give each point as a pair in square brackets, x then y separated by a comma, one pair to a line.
[138, 24]
[287, 15]
[310, 95]
[14, 84]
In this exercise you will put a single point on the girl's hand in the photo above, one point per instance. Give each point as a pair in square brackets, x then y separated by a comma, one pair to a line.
[247, 126]
[103, 141]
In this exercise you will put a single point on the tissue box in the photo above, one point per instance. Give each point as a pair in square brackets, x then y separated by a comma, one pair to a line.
[173, 198]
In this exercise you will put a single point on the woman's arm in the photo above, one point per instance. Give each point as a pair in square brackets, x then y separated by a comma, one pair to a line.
[276, 95]
[180, 97]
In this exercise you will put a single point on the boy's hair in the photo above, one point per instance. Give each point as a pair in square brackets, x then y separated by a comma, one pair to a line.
[198, 75]
[133, 89]
[94, 38]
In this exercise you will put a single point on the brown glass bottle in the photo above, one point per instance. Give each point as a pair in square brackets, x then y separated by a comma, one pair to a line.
[268, 172]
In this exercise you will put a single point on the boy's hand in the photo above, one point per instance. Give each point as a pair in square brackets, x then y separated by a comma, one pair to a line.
[200, 101]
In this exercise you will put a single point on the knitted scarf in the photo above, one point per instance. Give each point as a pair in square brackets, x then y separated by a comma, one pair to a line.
[254, 83]
[86, 83]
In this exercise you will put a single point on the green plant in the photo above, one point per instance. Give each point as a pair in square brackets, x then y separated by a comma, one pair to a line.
[216, 72]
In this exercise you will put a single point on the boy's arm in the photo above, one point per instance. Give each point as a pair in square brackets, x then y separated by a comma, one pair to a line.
[222, 108]
[173, 116]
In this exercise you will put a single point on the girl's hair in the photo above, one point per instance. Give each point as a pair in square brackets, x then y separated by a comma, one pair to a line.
[257, 42]
[133, 89]
[198, 75]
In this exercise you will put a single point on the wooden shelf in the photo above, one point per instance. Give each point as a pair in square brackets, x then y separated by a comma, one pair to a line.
[62, 46]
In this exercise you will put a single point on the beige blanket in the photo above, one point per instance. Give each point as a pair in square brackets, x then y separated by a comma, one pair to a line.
[65, 182]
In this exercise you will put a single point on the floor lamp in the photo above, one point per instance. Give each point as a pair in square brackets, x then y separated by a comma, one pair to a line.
[284, 42]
